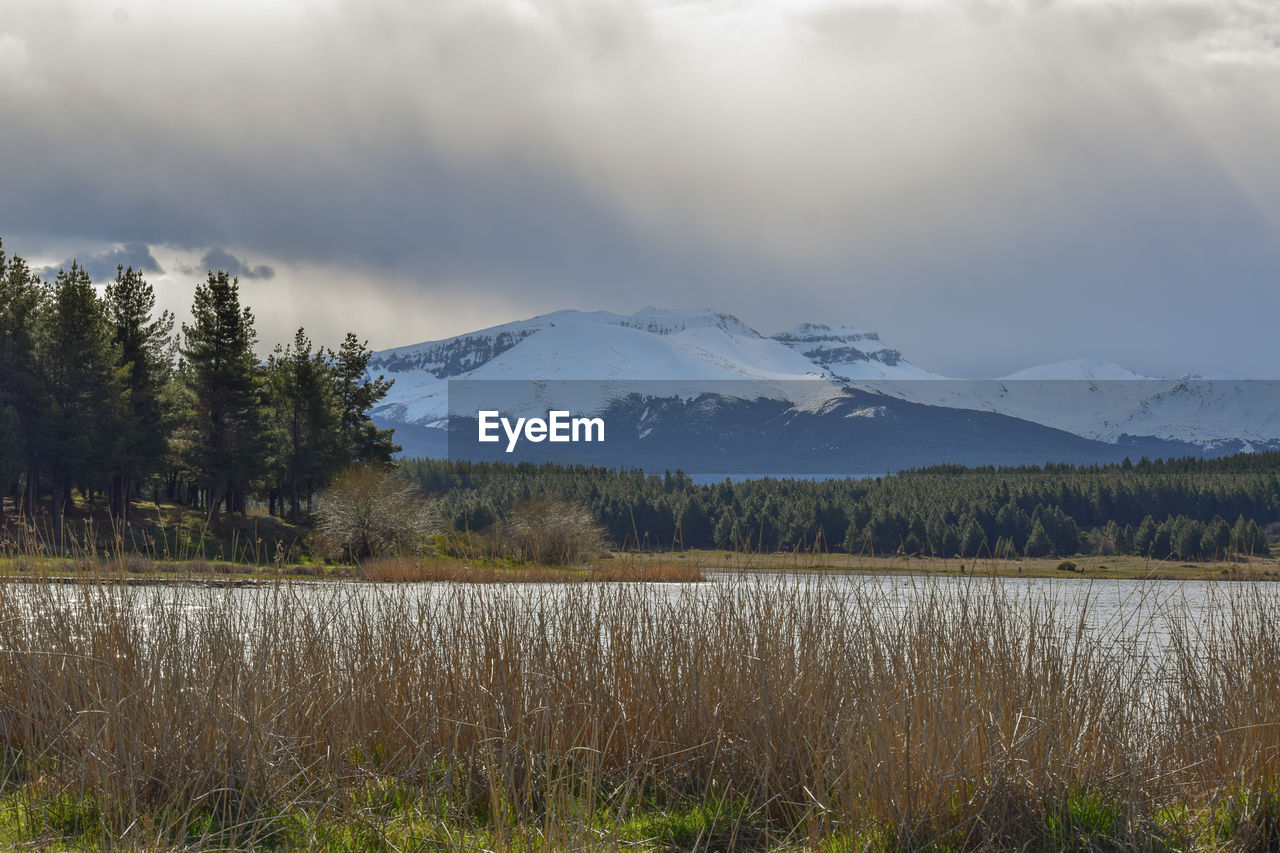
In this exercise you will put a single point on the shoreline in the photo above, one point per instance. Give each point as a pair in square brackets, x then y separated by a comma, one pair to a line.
[687, 566]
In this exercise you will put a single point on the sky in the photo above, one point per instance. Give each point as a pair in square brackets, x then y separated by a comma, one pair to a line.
[990, 184]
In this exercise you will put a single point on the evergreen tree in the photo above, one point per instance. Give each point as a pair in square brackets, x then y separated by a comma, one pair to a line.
[308, 419]
[228, 449]
[951, 541]
[356, 396]
[1255, 540]
[143, 341]
[1216, 540]
[1012, 523]
[911, 545]
[974, 540]
[1162, 544]
[1124, 540]
[1144, 540]
[21, 295]
[78, 433]
[1185, 537]
[1038, 542]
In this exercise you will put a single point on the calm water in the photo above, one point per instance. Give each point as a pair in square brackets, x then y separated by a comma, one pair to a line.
[1132, 614]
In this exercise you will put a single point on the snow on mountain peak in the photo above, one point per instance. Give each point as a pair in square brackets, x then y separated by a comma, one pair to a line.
[1077, 368]
[821, 332]
[849, 353]
[666, 321]
[652, 344]
[1105, 401]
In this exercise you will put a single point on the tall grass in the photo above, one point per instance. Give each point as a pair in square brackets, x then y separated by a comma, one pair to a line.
[623, 568]
[604, 716]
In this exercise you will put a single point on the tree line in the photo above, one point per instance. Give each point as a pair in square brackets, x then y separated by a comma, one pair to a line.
[1183, 509]
[100, 393]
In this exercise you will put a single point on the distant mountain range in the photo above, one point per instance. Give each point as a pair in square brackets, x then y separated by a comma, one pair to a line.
[700, 390]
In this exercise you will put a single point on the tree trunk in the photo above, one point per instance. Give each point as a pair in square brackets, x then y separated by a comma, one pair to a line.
[58, 492]
[31, 492]
[213, 505]
[120, 496]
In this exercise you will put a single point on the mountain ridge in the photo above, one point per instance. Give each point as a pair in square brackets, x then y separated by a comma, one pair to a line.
[1088, 397]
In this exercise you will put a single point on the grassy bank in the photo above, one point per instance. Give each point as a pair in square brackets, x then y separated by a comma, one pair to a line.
[1121, 566]
[599, 716]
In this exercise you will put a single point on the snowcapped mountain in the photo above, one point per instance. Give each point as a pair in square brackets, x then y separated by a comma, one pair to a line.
[1106, 402]
[463, 354]
[1077, 369]
[812, 368]
[653, 344]
[850, 354]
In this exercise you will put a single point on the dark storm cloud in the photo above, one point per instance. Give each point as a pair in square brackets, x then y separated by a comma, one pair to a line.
[220, 259]
[990, 183]
[397, 208]
[101, 266]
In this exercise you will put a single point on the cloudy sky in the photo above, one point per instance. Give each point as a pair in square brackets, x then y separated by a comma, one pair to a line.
[988, 183]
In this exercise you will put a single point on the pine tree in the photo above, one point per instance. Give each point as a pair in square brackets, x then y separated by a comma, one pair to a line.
[1185, 537]
[1144, 540]
[228, 443]
[1124, 540]
[975, 541]
[77, 438]
[307, 418]
[143, 342]
[21, 295]
[950, 542]
[1038, 542]
[1162, 544]
[356, 397]
[1215, 542]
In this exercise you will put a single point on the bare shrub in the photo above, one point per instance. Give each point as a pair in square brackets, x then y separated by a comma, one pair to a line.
[551, 531]
[370, 512]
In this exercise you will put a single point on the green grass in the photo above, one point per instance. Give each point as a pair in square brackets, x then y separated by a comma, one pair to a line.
[386, 815]
[1084, 820]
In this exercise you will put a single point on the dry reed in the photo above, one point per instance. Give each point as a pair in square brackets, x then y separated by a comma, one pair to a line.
[620, 569]
[554, 717]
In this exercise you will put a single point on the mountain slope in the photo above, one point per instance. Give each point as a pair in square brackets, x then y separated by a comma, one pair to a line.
[652, 344]
[1077, 369]
[850, 354]
[657, 353]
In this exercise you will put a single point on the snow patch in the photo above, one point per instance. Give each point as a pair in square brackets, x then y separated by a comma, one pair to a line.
[1077, 368]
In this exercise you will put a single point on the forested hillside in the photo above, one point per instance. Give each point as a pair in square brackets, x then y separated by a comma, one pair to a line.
[101, 394]
[1187, 509]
